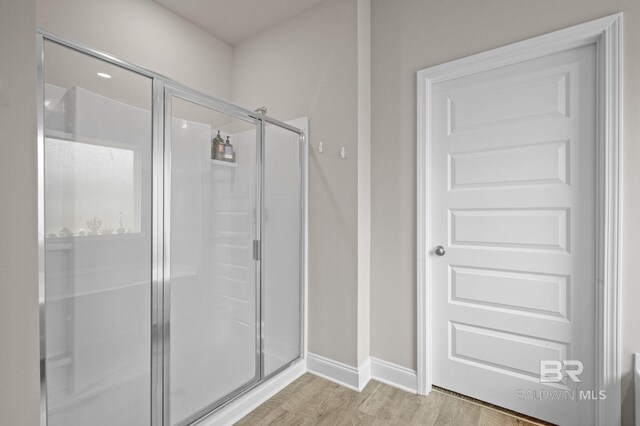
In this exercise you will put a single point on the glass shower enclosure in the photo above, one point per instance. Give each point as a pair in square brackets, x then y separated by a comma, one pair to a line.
[171, 274]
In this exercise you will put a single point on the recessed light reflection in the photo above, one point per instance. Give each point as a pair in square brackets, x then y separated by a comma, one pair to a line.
[184, 125]
[103, 75]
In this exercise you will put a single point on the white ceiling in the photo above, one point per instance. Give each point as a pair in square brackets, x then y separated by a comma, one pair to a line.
[235, 20]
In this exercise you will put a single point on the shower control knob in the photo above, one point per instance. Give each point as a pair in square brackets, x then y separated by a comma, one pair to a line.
[440, 251]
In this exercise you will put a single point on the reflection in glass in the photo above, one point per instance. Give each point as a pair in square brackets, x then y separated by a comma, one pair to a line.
[97, 187]
[98, 241]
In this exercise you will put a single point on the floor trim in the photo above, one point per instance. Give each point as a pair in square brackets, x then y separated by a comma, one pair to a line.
[394, 375]
[335, 371]
[357, 378]
[364, 373]
[248, 402]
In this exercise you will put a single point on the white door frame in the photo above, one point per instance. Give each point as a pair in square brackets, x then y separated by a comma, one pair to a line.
[606, 33]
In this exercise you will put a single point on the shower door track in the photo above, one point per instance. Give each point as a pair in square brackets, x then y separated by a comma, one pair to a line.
[162, 88]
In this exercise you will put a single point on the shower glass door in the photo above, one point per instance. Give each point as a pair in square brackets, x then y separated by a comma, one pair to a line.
[282, 249]
[171, 244]
[97, 236]
[212, 339]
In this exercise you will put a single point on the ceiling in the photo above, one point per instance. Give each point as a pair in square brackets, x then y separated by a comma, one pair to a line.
[235, 20]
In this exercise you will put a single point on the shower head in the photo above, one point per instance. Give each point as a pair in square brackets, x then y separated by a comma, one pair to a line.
[262, 110]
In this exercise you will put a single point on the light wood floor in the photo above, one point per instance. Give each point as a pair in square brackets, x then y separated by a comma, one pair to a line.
[311, 400]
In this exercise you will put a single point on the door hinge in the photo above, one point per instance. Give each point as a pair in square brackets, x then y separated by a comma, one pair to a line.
[256, 250]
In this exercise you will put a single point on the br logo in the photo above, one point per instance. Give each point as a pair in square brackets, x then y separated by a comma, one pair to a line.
[552, 371]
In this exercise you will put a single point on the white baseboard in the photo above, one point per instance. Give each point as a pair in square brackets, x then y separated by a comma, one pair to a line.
[335, 371]
[394, 375]
[248, 402]
[357, 378]
[364, 374]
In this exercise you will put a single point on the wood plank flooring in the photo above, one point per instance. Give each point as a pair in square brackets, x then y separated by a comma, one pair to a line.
[312, 400]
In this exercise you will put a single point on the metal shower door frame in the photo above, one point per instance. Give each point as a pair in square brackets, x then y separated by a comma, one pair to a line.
[170, 92]
[163, 88]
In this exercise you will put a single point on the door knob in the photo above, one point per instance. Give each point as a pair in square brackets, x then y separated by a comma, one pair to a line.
[440, 251]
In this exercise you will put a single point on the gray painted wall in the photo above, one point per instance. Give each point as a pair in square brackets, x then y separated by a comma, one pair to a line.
[19, 392]
[409, 35]
[308, 66]
[147, 34]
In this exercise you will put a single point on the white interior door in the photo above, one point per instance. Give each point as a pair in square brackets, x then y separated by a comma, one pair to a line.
[513, 190]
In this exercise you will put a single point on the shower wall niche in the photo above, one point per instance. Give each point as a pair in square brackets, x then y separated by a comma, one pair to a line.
[172, 282]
